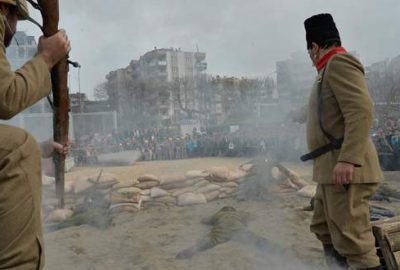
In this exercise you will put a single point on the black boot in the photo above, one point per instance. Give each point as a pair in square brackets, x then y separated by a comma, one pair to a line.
[375, 268]
[333, 259]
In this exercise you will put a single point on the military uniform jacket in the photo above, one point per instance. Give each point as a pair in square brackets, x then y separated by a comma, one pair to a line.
[347, 112]
[20, 178]
[24, 87]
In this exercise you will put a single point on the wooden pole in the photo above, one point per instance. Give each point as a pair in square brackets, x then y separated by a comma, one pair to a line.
[59, 79]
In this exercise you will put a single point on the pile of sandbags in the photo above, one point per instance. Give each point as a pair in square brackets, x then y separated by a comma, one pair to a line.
[79, 194]
[190, 188]
[193, 187]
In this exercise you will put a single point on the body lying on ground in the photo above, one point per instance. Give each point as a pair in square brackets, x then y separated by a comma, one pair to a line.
[228, 224]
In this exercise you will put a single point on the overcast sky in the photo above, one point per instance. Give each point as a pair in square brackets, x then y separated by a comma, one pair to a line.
[240, 37]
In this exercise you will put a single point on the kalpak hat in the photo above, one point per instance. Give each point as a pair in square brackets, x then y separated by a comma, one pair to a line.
[320, 29]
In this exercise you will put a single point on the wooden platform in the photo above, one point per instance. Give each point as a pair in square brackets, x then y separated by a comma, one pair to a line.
[387, 234]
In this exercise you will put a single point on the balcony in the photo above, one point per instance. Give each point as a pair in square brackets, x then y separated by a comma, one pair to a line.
[201, 66]
[200, 56]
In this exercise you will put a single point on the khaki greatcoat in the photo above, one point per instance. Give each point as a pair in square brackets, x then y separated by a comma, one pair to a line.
[341, 213]
[347, 111]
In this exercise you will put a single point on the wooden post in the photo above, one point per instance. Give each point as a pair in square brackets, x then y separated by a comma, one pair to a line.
[59, 78]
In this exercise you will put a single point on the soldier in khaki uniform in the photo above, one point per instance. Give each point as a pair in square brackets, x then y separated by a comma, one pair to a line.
[21, 243]
[346, 166]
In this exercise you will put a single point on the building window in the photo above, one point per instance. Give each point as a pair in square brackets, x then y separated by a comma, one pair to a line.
[12, 52]
[21, 52]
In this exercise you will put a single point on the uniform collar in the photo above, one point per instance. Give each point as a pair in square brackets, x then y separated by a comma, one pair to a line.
[325, 59]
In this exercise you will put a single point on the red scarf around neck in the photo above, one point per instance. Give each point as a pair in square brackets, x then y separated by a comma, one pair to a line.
[325, 59]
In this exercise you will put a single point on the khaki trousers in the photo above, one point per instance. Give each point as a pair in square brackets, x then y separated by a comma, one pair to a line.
[20, 201]
[342, 218]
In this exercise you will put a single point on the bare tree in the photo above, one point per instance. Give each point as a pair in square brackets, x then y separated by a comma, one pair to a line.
[101, 91]
[183, 87]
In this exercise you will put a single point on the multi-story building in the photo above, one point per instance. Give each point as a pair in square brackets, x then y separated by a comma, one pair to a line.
[162, 82]
[182, 70]
[295, 77]
[173, 64]
[22, 48]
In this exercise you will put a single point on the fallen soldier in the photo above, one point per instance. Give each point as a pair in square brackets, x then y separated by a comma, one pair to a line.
[228, 224]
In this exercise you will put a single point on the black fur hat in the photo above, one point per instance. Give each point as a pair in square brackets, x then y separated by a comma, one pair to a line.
[320, 29]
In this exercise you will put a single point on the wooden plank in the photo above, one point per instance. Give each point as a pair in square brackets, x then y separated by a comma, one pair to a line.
[386, 221]
[394, 241]
[385, 228]
[396, 256]
[390, 261]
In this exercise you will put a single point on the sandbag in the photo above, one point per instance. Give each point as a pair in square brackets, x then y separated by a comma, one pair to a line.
[147, 184]
[227, 190]
[124, 208]
[196, 174]
[115, 197]
[201, 183]
[218, 174]
[166, 199]
[191, 199]
[125, 184]
[236, 174]
[210, 196]
[308, 191]
[208, 188]
[246, 167]
[147, 178]
[158, 192]
[145, 198]
[241, 180]
[172, 179]
[229, 184]
[176, 185]
[145, 192]
[179, 191]
[223, 195]
[129, 190]
[59, 215]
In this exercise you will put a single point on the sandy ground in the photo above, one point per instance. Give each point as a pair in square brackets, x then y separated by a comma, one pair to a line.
[151, 238]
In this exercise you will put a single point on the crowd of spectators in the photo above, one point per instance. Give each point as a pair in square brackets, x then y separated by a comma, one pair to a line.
[158, 144]
[386, 136]
[165, 144]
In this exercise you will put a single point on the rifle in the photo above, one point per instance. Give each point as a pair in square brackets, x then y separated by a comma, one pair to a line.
[59, 78]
